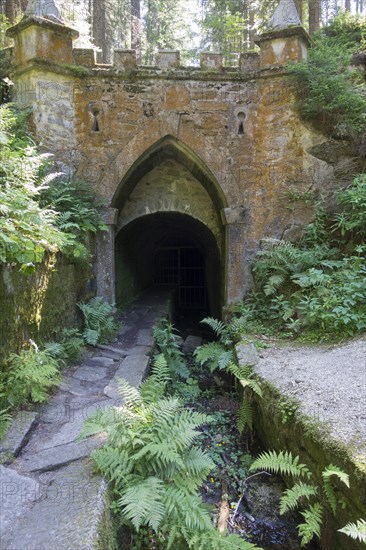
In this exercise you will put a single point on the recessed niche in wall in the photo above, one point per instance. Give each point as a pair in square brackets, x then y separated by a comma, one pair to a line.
[241, 119]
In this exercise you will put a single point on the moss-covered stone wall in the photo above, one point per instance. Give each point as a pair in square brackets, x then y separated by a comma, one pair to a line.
[35, 306]
[304, 436]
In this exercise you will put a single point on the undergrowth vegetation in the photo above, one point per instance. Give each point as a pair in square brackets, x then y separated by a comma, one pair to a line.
[28, 377]
[332, 91]
[314, 288]
[156, 468]
[321, 500]
[39, 212]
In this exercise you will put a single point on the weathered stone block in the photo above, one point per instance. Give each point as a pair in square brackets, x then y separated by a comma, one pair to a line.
[248, 62]
[17, 493]
[84, 56]
[191, 343]
[280, 47]
[168, 59]
[211, 61]
[37, 38]
[18, 432]
[125, 59]
[246, 354]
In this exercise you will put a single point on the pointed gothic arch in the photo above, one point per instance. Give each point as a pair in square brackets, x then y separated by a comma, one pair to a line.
[169, 147]
[169, 186]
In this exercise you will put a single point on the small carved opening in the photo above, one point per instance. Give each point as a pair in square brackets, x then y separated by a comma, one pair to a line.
[95, 125]
[241, 119]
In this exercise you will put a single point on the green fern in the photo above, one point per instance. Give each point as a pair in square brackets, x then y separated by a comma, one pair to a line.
[151, 458]
[291, 497]
[281, 463]
[244, 416]
[215, 355]
[143, 504]
[154, 386]
[312, 524]
[31, 375]
[356, 530]
[328, 489]
[99, 321]
[220, 329]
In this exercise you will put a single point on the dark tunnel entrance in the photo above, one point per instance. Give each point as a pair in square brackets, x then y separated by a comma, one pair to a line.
[170, 250]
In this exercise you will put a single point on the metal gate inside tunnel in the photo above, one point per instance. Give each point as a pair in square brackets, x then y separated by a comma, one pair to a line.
[180, 263]
[170, 250]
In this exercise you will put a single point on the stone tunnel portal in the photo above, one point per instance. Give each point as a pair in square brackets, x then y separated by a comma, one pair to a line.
[172, 250]
[169, 228]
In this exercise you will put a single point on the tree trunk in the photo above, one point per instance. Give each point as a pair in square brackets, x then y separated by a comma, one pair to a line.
[136, 26]
[99, 29]
[298, 4]
[347, 5]
[314, 15]
[10, 10]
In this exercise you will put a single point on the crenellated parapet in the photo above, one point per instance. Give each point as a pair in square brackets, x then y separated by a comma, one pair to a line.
[46, 38]
[167, 61]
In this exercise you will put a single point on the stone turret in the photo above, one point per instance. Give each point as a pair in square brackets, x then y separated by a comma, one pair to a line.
[286, 40]
[42, 35]
[46, 9]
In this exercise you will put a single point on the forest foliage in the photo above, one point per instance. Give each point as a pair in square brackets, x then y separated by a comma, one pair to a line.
[316, 287]
[40, 211]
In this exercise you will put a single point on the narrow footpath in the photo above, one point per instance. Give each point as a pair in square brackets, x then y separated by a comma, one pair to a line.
[50, 497]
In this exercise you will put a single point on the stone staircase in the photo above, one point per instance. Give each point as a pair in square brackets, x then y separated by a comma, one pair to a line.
[50, 497]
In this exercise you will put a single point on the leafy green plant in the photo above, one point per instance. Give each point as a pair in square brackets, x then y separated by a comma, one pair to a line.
[99, 321]
[4, 410]
[39, 213]
[29, 376]
[165, 338]
[332, 91]
[218, 354]
[155, 467]
[356, 530]
[73, 344]
[352, 199]
[320, 499]
[75, 202]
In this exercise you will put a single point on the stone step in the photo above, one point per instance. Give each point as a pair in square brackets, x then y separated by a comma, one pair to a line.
[17, 494]
[18, 434]
[65, 508]
[67, 515]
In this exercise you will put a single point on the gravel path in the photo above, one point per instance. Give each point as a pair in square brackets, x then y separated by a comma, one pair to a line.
[329, 382]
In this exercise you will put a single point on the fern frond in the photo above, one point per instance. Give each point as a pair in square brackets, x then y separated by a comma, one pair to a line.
[210, 353]
[225, 359]
[160, 370]
[332, 470]
[151, 390]
[143, 503]
[356, 530]
[219, 328]
[129, 394]
[114, 463]
[312, 524]
[252, 384]
[281, 463]
[187, 509]
[198, 461]
[327, 486]
[240, 371]
[244, 416]
[291, 497]
[274, 282]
